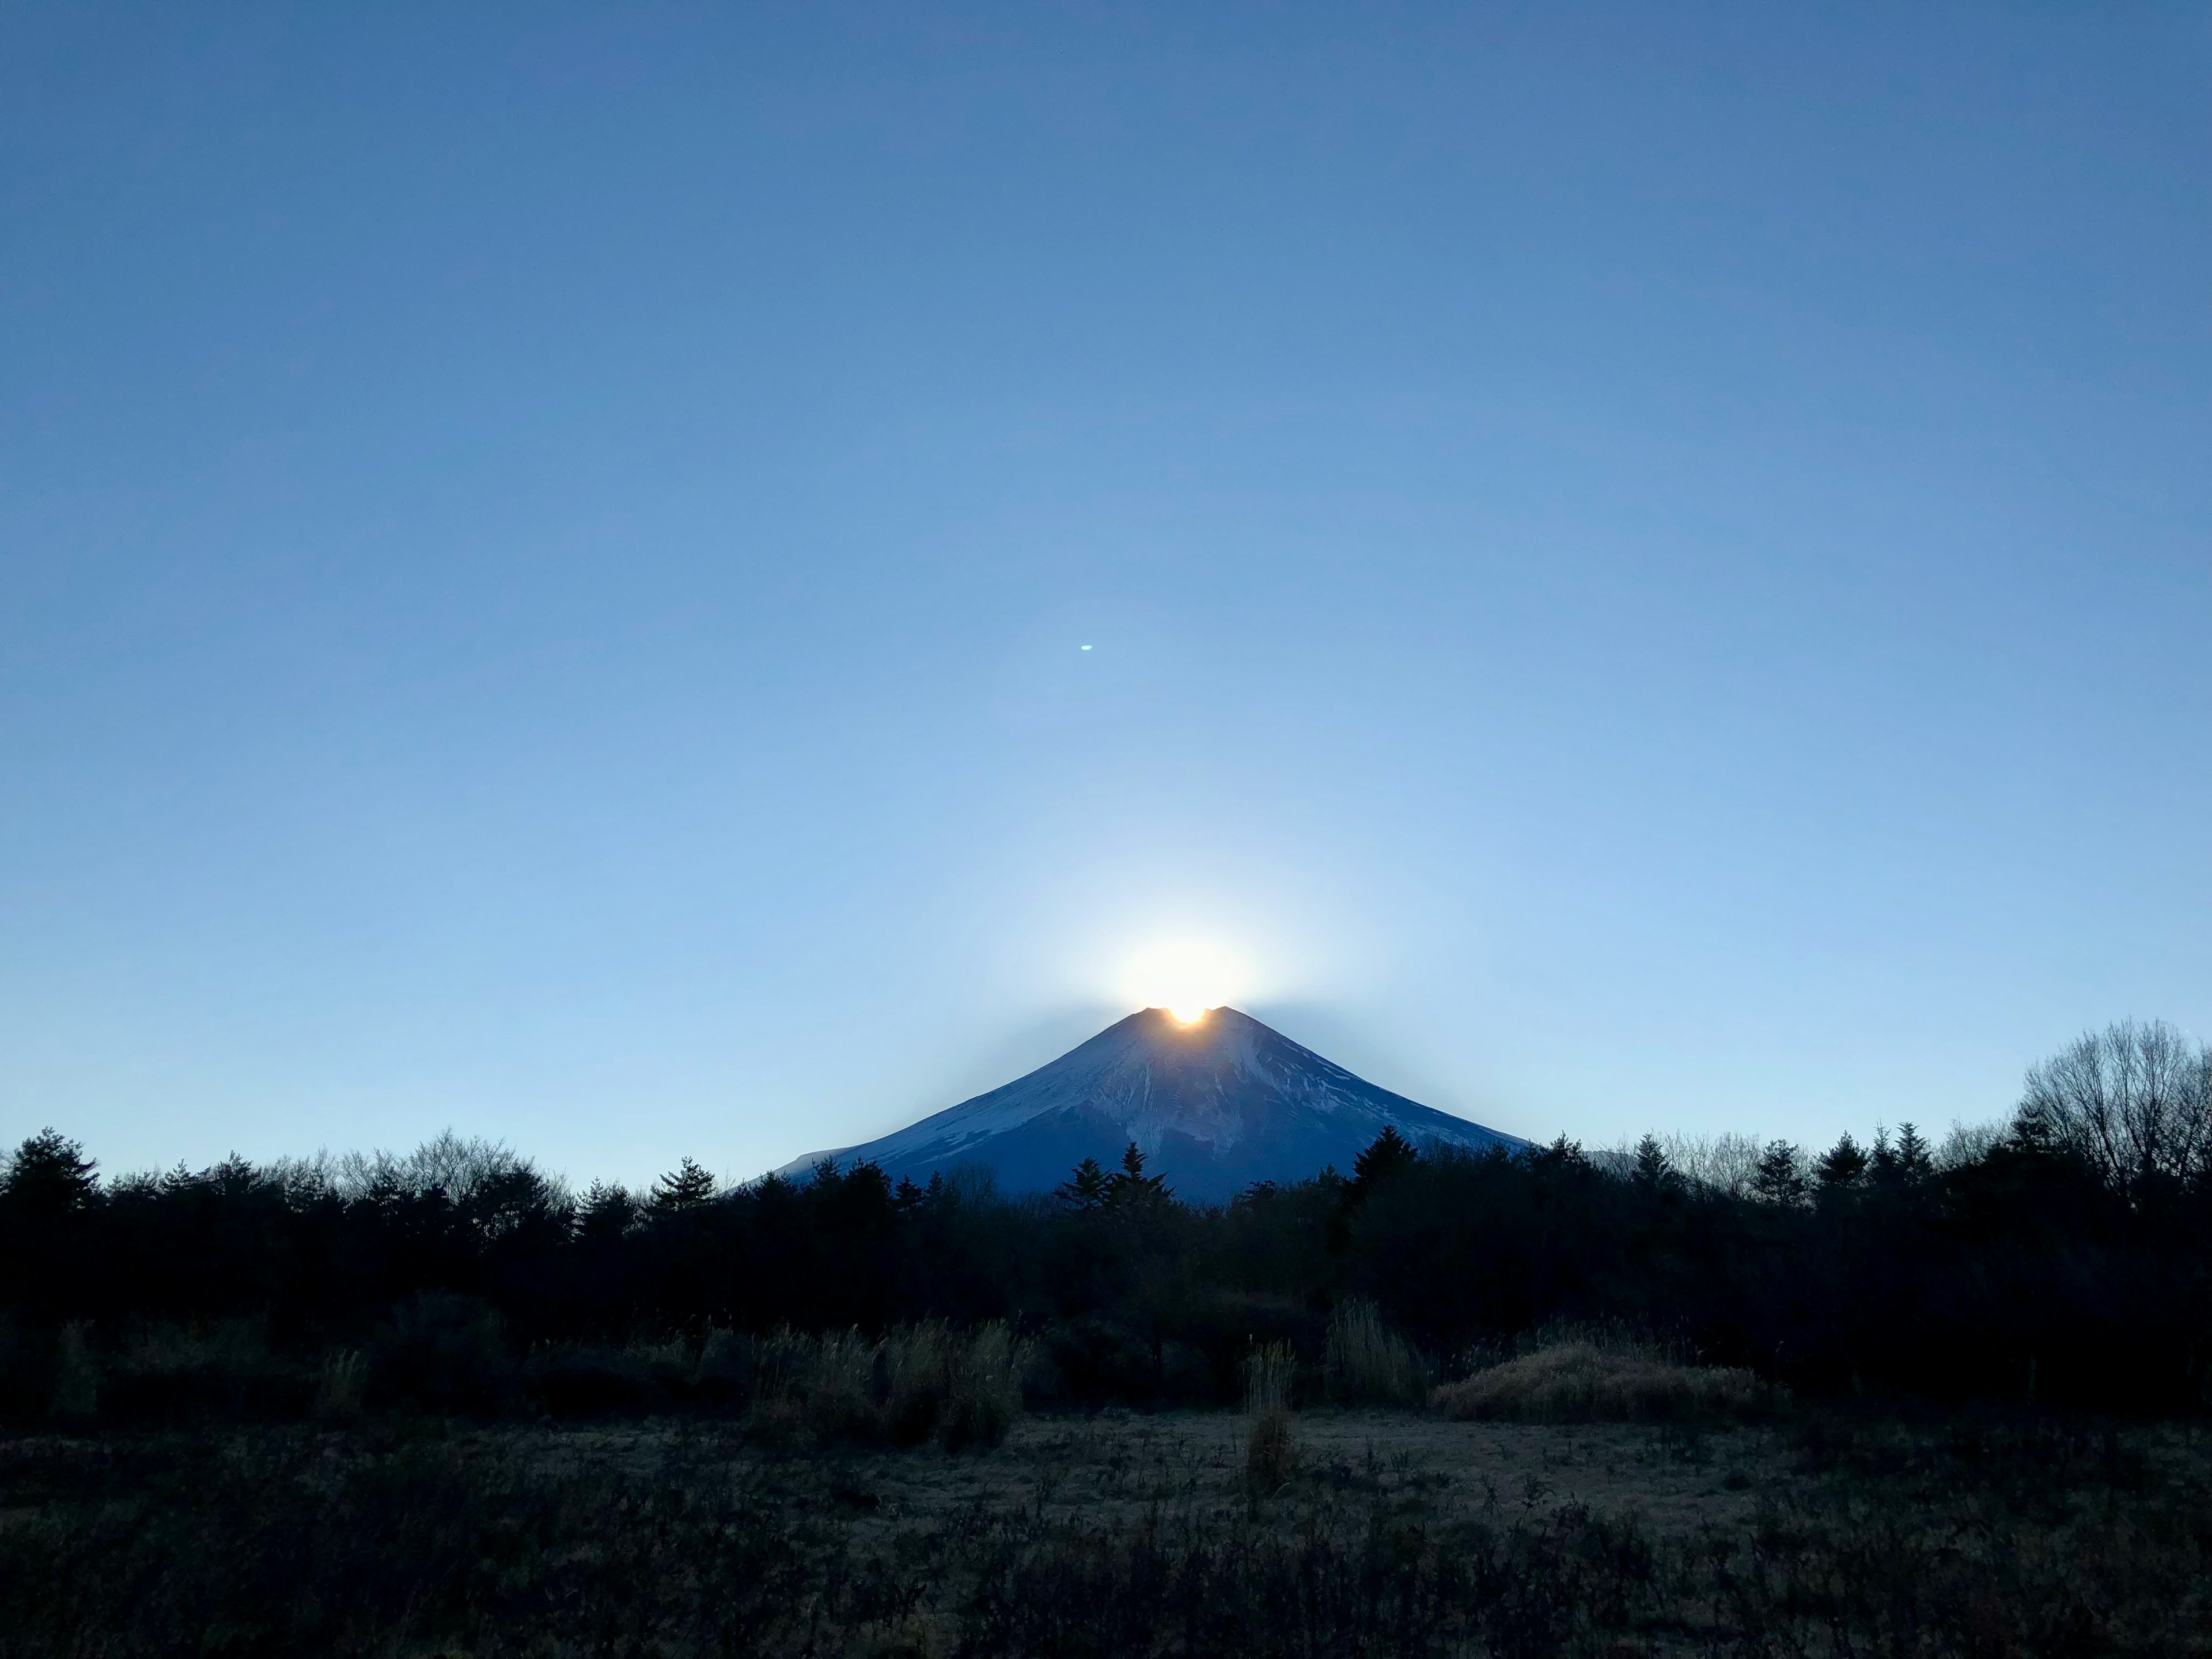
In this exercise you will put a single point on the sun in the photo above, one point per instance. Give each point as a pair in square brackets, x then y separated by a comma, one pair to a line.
[1187, 977]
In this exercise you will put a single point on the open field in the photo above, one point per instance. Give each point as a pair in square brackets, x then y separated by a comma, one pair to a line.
[1117, 1534]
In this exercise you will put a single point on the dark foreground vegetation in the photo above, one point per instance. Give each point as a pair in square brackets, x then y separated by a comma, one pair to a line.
[1982, 1535]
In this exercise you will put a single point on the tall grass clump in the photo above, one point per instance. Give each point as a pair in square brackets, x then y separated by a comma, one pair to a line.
[916, 1384]
[1368, 1364]
[1581, 1377]
[1270, 1452]
[987, 1387]
[338, 1387]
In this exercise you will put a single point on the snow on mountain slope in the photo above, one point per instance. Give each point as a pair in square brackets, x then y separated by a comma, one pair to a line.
[1214, 1105]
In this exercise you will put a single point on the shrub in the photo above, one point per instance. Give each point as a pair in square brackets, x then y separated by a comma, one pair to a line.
[23, 1371]
[445, 1351]
[1366, 1362]
[77, 1375]
[1100, 1358]
[169, 1370]
[1580, 1381]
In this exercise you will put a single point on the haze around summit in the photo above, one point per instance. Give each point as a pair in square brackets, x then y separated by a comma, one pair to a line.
[661, 581]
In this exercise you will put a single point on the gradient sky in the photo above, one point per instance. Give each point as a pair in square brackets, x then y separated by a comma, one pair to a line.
[1645, 567]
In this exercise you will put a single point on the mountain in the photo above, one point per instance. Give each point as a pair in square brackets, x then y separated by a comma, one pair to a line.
[1214, 1106]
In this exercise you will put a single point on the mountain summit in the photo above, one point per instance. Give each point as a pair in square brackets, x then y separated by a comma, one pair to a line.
[1214, 1106]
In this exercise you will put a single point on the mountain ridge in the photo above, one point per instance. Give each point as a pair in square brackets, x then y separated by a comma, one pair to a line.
[1213, 1105]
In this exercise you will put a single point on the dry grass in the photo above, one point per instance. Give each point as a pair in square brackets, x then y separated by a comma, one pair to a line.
[1397, 1537]
[1583, 1380]
[338, 1387]
[916, 1384]
[1368, 1364]
[1271, 1453]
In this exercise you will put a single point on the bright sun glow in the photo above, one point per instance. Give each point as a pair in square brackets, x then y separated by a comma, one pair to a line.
[1187, 977]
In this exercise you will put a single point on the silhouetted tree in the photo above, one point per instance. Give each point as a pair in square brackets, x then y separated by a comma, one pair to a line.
[1085, 1188]
[687, 1187]
[607, 1213]
[1778, 1179]
[1841, 1166]
[49, 1176]
[1130, 1189]
[1653, 1172]
[1387, 1155]
[2133, 1102]
[1904, 1163]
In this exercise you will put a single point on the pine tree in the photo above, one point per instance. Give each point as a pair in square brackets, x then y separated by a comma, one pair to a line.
[608, 1212]
[49, 1176]
[1385, 1155]
[1085, 1188]
[1842, 1165]
[1653, 1171]
[1130, 1188]
[1777, 1179]
[686, 1188]
[1914, 1161]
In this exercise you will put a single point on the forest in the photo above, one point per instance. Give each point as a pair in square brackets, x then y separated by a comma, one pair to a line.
[2066, 1260]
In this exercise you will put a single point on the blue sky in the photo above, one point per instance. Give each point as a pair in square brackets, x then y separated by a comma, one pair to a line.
[1644, 566]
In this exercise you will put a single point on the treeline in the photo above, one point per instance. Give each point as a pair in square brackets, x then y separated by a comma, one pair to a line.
[2069, 1259]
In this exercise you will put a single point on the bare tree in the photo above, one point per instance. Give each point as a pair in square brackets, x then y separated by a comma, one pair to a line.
[2133, 1101]
[1968, 1143]
[1722, 1163]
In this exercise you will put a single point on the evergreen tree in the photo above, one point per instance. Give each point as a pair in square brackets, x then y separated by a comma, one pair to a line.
[1777, 1179]
[1653, 1171]
[689, 1188]
[49, 1176]
[1085, 1188]
[1385, 1155]
[1130, 1188]
[1914, 1160]
[608, 1212]
[1842, 1165]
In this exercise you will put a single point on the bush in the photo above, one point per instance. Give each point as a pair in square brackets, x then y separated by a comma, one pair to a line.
[76, 1377]
[169, 1372]
[1098, 1358]
[1580, 1381]
[445, 1351]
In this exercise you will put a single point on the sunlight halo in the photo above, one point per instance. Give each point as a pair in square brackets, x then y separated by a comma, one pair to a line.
[1185, 976]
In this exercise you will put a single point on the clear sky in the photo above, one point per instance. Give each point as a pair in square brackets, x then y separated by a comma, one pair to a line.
[1642, 566]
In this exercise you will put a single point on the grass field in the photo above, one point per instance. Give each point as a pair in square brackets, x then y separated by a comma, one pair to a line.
[1388, 1533]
